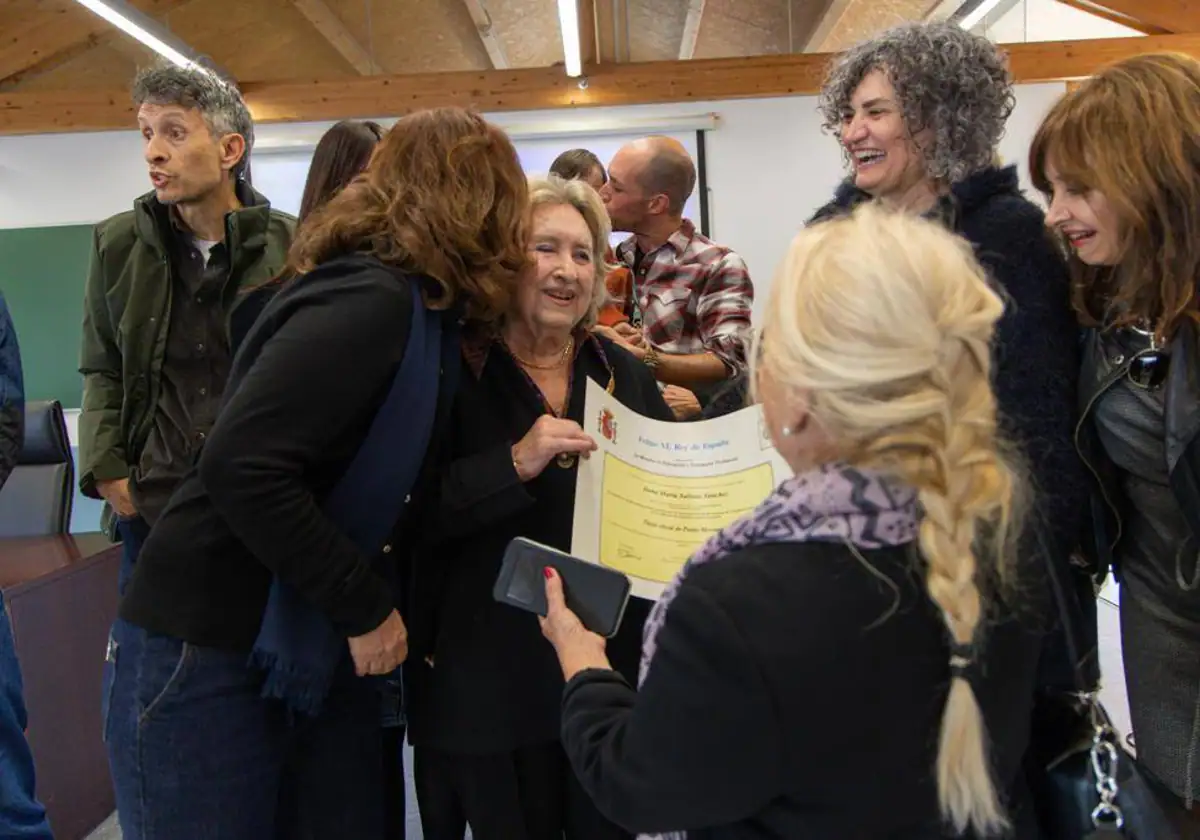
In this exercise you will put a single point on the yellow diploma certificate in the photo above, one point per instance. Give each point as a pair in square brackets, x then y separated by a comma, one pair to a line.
[654, 492]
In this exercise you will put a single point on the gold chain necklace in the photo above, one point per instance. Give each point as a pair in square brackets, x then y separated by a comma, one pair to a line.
[562, 360]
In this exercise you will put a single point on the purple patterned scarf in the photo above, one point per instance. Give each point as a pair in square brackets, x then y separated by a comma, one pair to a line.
[834, 503]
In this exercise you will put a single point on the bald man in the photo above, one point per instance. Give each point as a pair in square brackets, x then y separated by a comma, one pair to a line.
[689, 301]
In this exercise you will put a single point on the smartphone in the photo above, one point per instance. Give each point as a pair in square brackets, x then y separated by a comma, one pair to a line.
[596, 594]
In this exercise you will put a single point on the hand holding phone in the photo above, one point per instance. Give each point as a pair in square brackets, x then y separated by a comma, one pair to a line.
[596, 594]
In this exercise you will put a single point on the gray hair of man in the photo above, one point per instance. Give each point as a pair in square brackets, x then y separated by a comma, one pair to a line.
[553, 191]
[948, 80]
[218, 101]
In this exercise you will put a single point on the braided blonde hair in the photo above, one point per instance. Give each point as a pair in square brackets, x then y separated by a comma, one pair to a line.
[880, 323]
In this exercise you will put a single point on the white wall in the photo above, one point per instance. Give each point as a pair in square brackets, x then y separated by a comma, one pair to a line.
[769, 167]
[281, 174]
[1048, 20]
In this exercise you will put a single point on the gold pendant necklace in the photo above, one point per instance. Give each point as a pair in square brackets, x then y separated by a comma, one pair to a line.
[562, 359]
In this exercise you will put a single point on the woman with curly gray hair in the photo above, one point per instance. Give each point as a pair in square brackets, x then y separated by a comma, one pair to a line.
[919, 111]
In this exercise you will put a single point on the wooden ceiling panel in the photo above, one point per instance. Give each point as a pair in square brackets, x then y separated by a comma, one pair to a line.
[862, 19]
[537, 88]
[259, 40]
[104, 66]
[743, 27]
[417, 36]
[656, 27]
[529, 31]
[1165, 15]
[90, 33]
[40, 34]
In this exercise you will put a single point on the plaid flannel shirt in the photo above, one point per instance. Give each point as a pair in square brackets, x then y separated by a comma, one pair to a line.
[694, 296]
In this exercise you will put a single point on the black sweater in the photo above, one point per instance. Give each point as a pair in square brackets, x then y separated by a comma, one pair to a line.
[1036, 348]
[794, 693]
[303, 391]
[1036, 353]
[495, 684]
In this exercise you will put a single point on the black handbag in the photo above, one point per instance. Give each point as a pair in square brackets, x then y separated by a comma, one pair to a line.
[1084, 785]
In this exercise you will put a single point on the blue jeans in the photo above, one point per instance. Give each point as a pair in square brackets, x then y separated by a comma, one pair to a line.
[122, 653]
[199, 755]
[21, 816]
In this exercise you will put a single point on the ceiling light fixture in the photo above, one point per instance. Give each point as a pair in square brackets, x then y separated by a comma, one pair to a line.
[568, 22]
[136, 25]
[976, 16]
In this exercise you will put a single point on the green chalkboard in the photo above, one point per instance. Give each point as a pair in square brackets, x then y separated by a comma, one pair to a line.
[42, 275]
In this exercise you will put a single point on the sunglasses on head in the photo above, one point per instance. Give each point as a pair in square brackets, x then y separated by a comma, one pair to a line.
[1148, 368]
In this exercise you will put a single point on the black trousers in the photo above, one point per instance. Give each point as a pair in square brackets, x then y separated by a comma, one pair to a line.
[528, 794]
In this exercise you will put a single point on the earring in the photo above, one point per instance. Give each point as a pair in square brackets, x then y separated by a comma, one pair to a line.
[788, 431]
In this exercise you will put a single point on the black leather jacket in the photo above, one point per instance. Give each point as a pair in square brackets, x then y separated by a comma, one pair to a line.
[1182, 421]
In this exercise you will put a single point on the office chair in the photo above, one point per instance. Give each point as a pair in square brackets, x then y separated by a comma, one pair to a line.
[36, 501]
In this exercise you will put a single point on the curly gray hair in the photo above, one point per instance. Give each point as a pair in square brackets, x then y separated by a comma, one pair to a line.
[218, 101]
[948, 80]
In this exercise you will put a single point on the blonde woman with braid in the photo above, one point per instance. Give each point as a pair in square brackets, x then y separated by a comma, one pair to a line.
[840, 664]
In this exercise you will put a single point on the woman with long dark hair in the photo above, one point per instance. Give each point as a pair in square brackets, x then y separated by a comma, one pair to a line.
[342, 153]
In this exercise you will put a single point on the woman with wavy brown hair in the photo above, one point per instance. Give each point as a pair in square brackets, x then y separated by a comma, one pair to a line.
[1119, 159]
[265, 593]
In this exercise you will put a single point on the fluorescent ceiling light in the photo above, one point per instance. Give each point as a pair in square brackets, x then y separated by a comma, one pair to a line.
[976, 16]
[568, 22]
[137, 26]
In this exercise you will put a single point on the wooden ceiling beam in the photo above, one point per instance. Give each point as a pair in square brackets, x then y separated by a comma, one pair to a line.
[834, 12]
[36, 38]
[60, 38]
[691, 29]
[1153, 17]
[609, 18]
[487, 33]
[589, 48]
[1105, 14]
[547, 87]
[326, 22]
[57, 59]
[805, 17]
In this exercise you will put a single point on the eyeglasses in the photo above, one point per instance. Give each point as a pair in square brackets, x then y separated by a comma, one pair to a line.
[1148, 368]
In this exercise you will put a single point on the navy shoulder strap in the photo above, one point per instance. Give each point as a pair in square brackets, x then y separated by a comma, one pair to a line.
[297, 647]
[370, 495]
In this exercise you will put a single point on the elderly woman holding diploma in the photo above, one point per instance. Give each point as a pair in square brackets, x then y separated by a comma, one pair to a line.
[485, 689]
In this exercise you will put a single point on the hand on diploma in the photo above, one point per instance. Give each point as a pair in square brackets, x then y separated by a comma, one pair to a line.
[549, 438]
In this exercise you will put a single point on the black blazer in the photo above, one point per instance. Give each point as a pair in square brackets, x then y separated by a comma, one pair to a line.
[308, 379]
[796, 692]
[495, 684]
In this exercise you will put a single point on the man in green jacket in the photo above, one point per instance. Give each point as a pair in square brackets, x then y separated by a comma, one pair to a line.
[164, 288]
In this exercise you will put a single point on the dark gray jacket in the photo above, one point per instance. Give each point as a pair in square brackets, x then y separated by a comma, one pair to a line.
[12, 395]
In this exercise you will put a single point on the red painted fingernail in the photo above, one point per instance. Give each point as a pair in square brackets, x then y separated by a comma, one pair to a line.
[548, 572]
